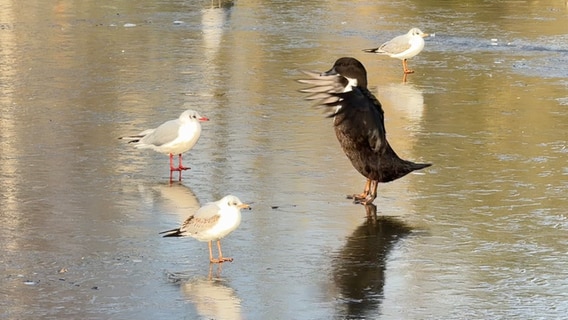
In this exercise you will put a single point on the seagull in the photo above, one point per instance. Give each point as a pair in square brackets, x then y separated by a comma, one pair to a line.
[359, 124]
[171, 137]
[211, 223]
[403, 47]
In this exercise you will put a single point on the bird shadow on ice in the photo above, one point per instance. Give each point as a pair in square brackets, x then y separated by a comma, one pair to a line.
[211, 296]
[359, 267]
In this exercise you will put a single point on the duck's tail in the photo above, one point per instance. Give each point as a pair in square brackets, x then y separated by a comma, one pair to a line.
[419, 166]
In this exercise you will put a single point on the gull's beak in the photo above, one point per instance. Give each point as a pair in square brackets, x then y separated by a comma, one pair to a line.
[203, 119]
[424, 35]
[243, 206]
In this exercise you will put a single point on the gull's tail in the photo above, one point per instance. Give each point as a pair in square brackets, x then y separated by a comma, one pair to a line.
[373, 50]
[172, 233]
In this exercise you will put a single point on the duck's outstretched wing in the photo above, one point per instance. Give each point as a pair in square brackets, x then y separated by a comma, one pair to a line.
[357, 109]
[325, 89]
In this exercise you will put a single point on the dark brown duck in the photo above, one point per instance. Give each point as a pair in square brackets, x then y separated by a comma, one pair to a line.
[359, 124]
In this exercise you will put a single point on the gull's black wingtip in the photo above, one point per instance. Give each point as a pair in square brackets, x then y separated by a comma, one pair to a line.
[372, 50]
[171, 233]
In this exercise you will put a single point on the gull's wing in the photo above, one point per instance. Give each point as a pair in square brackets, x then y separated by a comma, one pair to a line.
[205, 218]
[165, 133]
[396, 45]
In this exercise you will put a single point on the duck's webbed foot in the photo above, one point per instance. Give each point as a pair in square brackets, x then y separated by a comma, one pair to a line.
[366, 197]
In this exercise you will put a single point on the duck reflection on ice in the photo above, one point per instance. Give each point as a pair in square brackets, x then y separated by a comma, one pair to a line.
[359, 268]
[211, 296]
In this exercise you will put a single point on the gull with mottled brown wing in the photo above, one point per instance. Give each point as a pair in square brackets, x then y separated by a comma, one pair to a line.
[212, 222]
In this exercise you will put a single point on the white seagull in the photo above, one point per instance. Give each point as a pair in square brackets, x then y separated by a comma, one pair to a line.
[403, 47]
[211, 223]
[172, 137]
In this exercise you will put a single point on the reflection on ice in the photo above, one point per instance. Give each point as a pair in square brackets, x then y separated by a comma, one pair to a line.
[211, 296]
[213, 20]
[359, 268]
[406, 100]
[73, 198]
[176, 198]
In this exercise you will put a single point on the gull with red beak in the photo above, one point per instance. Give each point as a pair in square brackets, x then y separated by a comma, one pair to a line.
[172, 137]
[403, 47]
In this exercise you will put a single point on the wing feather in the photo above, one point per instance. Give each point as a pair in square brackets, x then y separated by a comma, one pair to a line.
[358, 106]
[205, 218]
[396, 45]
[163, 134]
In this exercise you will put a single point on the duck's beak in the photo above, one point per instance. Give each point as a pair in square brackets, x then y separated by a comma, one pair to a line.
[330, 72]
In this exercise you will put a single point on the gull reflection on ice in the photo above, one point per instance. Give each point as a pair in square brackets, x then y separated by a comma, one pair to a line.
[177, 198]
[402, 100]
[211, 296]
[212, 22]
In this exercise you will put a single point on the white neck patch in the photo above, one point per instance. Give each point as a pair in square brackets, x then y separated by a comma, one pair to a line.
[352, 83]
[349, 87]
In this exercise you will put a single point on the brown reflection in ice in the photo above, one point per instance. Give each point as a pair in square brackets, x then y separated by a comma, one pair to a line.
[359, 268]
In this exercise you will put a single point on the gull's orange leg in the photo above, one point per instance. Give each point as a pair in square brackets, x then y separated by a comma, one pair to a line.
[210, 252]
[220, 259]
[405, 67]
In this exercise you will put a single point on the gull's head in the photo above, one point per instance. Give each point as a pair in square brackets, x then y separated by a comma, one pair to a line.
[231, 201]
[417, 32]
[192, 115]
